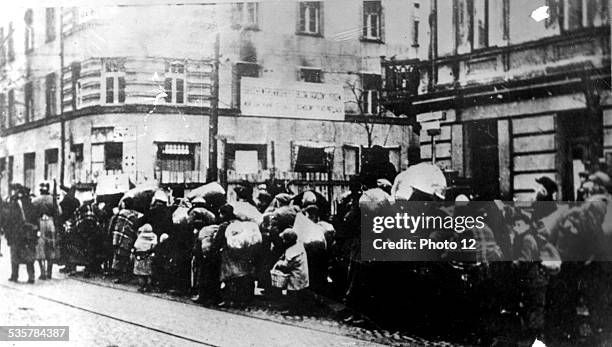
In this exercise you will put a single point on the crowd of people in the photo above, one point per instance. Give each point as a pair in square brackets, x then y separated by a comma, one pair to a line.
[288, 247]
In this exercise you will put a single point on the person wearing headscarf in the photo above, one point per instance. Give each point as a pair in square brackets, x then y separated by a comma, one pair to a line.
[124, 235]
[206, 254]
[88, 230]
[294, 262]
[143, 251]
[47, 249]
[68, 207]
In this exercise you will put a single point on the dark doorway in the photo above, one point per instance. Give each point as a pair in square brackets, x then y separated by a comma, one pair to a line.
[482, 158]
[580, 140]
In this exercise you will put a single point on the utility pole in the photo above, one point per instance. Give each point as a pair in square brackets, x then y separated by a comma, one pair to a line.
[61, 102]
[213, 128]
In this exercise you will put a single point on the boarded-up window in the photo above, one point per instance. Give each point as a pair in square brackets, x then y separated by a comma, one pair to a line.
[246, 158]
[242, 69]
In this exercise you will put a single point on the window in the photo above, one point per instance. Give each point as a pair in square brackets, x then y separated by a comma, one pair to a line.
[480, 24]
[10, 43]
[245, 15]
[3, 113]
[311, 75]
[113, 155]
[415, 32]
[10, 169]
[174, 85]
[372, 20]
[3, 174]
[29, 31]
[50, 95]
[506, 19]
[2, 47]
[114, 81]
[76, 151]
[29, 102]
[246, 158]
[242, 69]
[51, 166]
[310, 17]
[311, 159]
[50, 21]
[75, 69]
[574, 14]
[29, 170]
[371, 84]
[585, 13]
[11, 108]
[107, 156]
[176, 157]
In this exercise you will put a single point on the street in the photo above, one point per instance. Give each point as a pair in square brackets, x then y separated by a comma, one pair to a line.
[99, 315]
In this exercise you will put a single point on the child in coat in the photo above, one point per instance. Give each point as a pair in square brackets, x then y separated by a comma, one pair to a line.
[143, 256]
[294, 262]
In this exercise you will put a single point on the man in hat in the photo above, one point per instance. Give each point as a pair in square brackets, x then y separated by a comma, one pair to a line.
[21, 233]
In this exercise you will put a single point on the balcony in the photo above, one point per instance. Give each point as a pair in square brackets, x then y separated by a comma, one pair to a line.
[553, 65]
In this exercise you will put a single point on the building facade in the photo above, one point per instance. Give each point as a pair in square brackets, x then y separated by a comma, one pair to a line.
[128, 90]
[512, 90]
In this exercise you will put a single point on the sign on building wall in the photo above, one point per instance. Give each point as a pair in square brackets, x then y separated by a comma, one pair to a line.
[268, 97]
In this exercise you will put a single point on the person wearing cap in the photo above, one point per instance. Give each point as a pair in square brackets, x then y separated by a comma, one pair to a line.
[143, 252]
[46, 211]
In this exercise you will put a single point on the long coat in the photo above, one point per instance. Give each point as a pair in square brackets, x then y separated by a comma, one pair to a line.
[20, 233]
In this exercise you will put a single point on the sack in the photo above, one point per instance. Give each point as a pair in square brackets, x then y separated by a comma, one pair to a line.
[247, 212]
[242, 235]
[213, 193]
[180, 216]
[309, 233]
[206, 236]
[373, 200]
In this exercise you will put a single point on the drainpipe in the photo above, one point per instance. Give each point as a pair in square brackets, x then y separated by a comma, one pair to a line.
[433, 133]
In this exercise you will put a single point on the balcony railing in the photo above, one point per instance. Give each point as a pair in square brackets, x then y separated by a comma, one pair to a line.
[547, 59]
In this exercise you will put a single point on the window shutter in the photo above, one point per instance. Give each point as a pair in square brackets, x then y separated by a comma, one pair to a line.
[301, 17]
[168, 89]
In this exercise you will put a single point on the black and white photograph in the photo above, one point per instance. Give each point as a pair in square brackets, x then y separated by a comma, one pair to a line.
[305, 173]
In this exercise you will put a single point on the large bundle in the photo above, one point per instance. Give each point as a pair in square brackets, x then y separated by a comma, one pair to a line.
[374, 200]
[310, 233]
[142, 197]
[180, 216]
[200, 215]
[242, 235]
[213, 193]
[247, 212]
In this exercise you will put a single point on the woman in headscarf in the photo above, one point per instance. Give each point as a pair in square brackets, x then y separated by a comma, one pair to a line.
[124, 236]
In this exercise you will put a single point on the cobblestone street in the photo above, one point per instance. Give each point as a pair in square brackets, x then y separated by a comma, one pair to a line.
[102, 315]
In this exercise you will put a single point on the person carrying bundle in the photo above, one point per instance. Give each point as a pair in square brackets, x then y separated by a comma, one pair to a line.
[293, 263]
